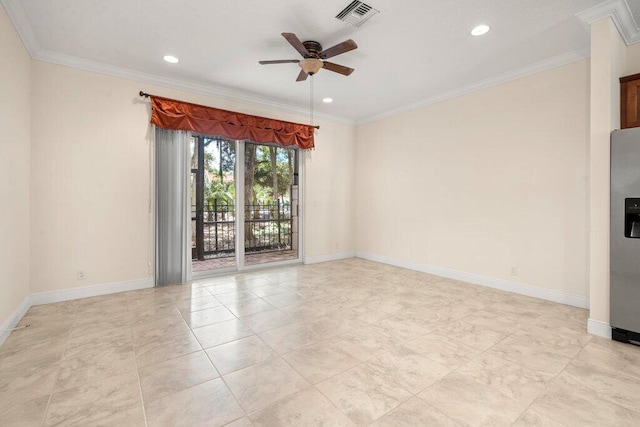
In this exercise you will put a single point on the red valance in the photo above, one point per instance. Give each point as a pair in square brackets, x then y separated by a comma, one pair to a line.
[177, 115]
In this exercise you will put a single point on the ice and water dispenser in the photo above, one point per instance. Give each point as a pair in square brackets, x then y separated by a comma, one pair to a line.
[632, 218]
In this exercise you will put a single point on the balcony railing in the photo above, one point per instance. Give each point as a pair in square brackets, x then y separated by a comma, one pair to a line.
[267, 227]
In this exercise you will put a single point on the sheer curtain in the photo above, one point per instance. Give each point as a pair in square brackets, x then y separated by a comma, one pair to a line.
[173, 210]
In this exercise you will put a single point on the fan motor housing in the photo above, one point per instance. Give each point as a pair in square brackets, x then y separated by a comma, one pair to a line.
[313, 47]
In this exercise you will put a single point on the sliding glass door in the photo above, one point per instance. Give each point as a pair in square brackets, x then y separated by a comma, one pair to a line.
[213, 202]
[244, 204]
[270, 204]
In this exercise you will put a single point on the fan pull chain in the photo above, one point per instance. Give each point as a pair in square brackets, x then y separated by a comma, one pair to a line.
[311, 99]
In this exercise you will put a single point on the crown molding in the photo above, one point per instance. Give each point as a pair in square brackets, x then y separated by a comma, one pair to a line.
[617, 10]
[537, 67]
[185, 85]
[620, 14]
[22, 25]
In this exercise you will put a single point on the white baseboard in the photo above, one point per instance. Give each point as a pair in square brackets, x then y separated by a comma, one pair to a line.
[491, 282]
[599, 328]
[328, 257]
[90, 291]
[14, 319]
[67, 295]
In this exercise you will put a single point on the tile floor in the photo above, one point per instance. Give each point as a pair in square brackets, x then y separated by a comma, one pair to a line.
[343, 343]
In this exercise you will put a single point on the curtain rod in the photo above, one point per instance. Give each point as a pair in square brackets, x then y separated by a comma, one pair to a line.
[146, 95]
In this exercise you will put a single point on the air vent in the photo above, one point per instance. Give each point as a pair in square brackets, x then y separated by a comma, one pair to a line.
[356, 13]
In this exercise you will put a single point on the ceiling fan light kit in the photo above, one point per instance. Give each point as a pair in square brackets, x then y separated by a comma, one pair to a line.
[314, 56]
[311, 65]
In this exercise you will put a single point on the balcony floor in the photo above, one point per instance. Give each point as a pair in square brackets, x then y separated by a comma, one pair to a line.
[250, 259]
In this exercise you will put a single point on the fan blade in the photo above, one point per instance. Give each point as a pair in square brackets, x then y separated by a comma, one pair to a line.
[343, 47]
[296, 43]
[336, 68]
[280, 61]
[302, 76]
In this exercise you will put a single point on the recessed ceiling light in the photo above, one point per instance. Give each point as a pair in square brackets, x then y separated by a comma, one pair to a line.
[171, 59]
[327, 100]
[480, 30]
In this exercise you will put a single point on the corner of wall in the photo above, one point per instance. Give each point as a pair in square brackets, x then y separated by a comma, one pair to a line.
[608, 63]
[599, 328]
[15, 174]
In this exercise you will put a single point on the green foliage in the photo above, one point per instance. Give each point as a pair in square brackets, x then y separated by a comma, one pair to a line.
[219, 167]
[263, 184]
[219, 164]
[223, 192]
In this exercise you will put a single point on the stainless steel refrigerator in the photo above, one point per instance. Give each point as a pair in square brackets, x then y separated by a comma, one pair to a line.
[625, 235]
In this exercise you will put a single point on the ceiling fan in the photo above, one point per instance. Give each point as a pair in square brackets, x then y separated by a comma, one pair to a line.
[314, 56]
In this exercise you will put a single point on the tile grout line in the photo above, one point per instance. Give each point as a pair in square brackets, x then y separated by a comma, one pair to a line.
[216, 369]
[202, 349]
[135, 359]
[473, 379]
[546, 386]
[485, 352]
[230, 391]
[575, 388]
[53, 387]
[520, 365]
[362, 364]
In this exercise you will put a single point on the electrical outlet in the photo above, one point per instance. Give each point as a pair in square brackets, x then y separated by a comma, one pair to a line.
[514, 271]
[81, 275]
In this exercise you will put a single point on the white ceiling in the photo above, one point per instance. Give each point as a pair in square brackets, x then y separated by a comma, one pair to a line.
[634, 7]
[411, 53]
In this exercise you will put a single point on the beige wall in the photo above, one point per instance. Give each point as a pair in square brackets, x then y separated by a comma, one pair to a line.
[330, 192]
[610, 59]
[90, 181]
[91, 185]
[485, 182]
[15, 165]
[633, 59]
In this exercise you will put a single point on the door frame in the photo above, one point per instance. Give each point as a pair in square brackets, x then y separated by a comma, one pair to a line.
[239, 207]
